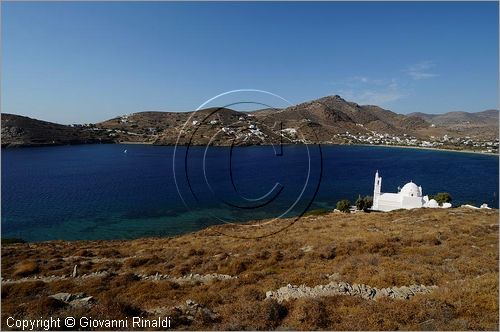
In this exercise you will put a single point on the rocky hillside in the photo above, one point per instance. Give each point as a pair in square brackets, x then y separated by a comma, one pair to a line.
[323, 120]
[425, 269]
[23, 131]
[333, 115]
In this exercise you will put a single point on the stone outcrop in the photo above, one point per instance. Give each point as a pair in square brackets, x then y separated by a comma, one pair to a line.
[191, 310]
[343, 288]
[203, 278]
[187, 278]
[186, 313]
[53, 278]
[77, 300]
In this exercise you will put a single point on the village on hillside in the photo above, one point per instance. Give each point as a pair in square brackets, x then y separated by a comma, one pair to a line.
[443, 142]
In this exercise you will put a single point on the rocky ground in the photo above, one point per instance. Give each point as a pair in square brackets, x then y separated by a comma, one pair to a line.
[424, 269]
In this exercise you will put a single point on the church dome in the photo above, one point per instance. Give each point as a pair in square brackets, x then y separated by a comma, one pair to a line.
[410, 189]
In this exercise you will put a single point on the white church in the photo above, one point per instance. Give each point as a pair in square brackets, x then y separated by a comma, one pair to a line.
[408, 197]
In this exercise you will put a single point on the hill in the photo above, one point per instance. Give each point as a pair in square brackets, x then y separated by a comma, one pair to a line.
[463, 122]
[329, 119]
[23, 131]
[334, 115]
[424, 269]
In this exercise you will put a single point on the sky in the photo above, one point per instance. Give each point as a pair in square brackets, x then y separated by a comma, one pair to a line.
[90, 61]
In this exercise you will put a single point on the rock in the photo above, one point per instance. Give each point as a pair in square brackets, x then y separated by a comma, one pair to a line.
[75, 272]
[16, 131]
[210, 314]
[334, 276]
[65, 297]
[82, 302]
[191, 310]
[77, 300]
[335, 288]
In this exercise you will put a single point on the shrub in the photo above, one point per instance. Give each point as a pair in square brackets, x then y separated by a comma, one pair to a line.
[317, 212]
[264, 254]
[142, 261]
[22, 289]
[310, 313]
[443, 198]
[364, 203]
[195, 252]
[124, 280]
[46, 305]
[343, 205]
[277, 256]
[252, 315]
[113, 308]
[84, 253]
[109, 253]
[25, 269]
[360, 203]
[12, 240]
[368, 202]
[252, 293]
[328, 252]
[238, 266]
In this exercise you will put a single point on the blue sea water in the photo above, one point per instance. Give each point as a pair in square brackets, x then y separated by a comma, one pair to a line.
[105, 192]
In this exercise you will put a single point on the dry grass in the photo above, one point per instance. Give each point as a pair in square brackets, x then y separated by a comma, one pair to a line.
[25, 269]
[456, 249]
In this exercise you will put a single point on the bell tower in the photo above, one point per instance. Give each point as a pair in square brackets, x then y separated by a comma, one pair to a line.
[376, 190]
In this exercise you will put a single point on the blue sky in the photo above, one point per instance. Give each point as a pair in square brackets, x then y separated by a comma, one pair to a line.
[86, 62]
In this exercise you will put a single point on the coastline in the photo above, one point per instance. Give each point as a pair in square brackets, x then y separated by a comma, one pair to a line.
[136, 143]
[330, 153]
[225, 229]
[428, 148]
[5, 146]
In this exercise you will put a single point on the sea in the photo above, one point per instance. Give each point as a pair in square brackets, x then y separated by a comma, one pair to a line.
[120, 191]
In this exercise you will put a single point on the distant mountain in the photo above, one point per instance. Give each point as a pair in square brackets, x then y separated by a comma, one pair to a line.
[454, 118]
[322, 120]
[464, 122]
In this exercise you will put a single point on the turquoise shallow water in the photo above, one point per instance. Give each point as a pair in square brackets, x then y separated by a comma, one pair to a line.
[101, 192]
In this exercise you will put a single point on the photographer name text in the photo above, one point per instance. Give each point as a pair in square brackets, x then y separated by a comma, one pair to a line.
[87, 322]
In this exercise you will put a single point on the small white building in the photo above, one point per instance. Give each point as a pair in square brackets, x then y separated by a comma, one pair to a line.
[408, 197]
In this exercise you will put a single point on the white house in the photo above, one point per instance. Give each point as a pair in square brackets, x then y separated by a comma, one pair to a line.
[408, 197]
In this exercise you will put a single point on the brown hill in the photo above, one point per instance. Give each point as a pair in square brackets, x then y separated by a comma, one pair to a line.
[23, 131]
[320, 120]
[335, 115]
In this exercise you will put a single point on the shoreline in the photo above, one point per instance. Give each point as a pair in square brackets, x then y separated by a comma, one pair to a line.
[338, 144]
[428, 148]
[5, 241]
[323, 144]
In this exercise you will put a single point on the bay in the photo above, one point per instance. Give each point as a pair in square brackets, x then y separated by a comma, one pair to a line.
[90, 192]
